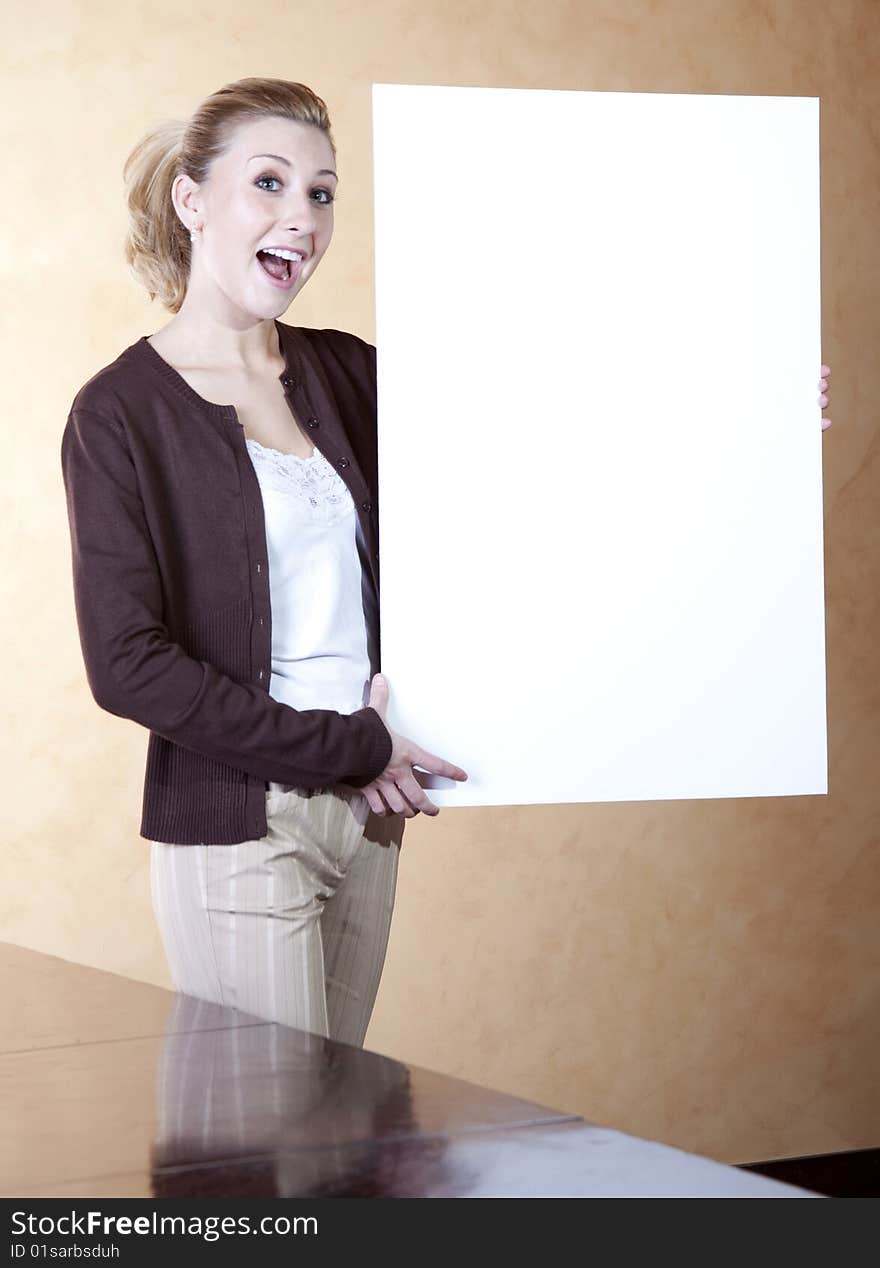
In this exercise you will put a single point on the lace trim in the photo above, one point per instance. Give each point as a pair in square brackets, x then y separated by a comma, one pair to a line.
[311, 481]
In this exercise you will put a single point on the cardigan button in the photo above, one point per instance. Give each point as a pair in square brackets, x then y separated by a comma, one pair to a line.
[288, 380]
[312, 422]
[366, 506]
[343, 462]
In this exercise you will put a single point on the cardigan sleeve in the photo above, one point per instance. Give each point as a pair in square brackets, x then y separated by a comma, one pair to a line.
[135, 670]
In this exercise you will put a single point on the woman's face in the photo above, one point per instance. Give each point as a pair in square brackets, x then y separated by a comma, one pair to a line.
[274, 187]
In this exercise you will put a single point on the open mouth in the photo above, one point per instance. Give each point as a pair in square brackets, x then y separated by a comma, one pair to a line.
[278, 269]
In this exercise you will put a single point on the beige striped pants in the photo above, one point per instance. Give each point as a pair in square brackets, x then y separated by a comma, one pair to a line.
[292, 927]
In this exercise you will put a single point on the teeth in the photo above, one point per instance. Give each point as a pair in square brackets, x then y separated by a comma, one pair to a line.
[284, 255]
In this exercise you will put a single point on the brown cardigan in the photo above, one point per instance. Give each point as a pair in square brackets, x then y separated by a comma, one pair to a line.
[171, 583]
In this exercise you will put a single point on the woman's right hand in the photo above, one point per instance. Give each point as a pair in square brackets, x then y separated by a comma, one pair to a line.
[396, 790]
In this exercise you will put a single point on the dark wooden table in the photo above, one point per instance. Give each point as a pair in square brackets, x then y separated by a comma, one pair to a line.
[114, 1088]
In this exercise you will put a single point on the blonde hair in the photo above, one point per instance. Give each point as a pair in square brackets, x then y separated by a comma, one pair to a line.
[157, 244]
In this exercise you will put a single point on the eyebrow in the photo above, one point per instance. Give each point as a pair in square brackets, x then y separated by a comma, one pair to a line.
[324, 171]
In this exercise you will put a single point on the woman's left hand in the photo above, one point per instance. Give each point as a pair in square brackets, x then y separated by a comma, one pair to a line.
[824, 370]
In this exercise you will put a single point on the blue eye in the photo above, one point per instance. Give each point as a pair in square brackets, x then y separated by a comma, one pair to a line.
[325, 202]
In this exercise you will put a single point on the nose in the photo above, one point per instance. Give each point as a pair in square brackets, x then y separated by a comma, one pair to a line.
[301, 214]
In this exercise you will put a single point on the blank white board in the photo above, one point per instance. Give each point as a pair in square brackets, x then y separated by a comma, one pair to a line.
[600, 453]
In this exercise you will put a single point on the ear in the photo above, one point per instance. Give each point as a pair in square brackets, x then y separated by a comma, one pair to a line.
[185, 197]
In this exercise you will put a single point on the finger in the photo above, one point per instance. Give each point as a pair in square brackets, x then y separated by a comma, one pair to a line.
[396, 801]
[379, 694]
[386, 809]
[415, 795]
[414, 809]
[374, 800]
[437, 765]
[379, 806]
[409, 811]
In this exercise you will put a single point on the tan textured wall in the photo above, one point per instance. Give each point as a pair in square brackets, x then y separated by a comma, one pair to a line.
[704, 973]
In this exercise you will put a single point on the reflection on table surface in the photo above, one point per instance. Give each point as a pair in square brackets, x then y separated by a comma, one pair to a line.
[116, 1088]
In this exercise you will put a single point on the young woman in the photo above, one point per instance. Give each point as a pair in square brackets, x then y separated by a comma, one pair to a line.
[221, 486]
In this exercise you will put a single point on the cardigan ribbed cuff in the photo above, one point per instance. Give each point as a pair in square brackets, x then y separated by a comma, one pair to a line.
[380, 752]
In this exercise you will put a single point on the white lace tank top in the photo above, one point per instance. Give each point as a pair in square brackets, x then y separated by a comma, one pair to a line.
[321, 596]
